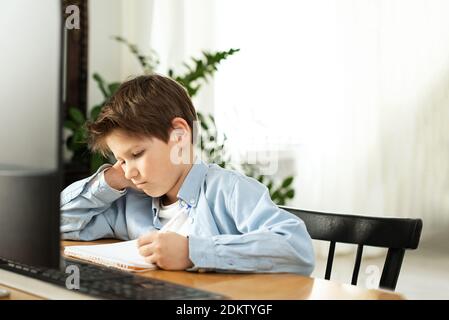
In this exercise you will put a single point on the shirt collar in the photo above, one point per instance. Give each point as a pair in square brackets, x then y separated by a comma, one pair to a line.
[190, 189]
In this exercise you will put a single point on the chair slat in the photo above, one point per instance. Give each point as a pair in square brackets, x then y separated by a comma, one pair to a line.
[358, 260]
[392, 268]
[330, 260]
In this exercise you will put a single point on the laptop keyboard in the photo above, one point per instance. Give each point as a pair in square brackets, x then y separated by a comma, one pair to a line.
[108, 283]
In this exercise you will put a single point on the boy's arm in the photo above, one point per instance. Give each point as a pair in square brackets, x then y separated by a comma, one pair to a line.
[272, 239]
[90, 208]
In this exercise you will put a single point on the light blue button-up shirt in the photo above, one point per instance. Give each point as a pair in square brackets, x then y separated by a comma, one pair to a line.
[235, 226]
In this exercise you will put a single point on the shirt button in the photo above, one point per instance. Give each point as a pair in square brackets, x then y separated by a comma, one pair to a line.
[192, 201]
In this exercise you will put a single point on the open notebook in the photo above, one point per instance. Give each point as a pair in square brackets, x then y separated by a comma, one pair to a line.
[125, 255]
[122, 255]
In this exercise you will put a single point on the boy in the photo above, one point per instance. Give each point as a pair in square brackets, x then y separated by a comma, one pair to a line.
[212, 218]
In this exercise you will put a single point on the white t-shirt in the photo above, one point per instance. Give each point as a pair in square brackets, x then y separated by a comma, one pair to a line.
[174, 217]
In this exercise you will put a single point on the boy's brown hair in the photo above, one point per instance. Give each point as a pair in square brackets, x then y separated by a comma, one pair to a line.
[143, 106]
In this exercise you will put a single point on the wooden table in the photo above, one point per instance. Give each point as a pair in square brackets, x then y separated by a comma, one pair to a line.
[253, 286]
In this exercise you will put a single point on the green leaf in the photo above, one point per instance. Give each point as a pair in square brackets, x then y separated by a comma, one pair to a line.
[69, 124]
[135, 51]
[200, 116]
[77, 142]
[77, 116]
[288, 181]
[69, 143]
[280, 202]
[95, 112]
[96, 161]
[193, 90]
[290, 194]
[204, 125]
[78, 136]
[202, 69]
[113, 87]
[202, 121]
[118, 38]
[275, 195]
[101, 84]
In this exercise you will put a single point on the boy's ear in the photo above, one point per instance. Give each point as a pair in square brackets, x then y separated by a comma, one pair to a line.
[178, 134]
[181, 129]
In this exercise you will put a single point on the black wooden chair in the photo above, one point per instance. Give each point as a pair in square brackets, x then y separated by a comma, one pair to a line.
[396, 234]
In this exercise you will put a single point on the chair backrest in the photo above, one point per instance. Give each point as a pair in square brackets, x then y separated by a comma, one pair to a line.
[396, 234]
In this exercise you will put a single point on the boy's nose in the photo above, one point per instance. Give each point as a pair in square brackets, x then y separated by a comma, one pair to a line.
[130, 173]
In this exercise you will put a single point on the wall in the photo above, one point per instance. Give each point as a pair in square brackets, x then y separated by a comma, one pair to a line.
[104, 54]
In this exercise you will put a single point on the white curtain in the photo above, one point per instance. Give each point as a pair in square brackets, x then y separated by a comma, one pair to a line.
[357, 91]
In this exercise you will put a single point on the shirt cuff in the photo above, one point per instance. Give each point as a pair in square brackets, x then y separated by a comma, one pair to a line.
[103, 191]
[202, 253]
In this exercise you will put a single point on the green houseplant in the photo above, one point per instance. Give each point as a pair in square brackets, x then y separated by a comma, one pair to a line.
[211, 144]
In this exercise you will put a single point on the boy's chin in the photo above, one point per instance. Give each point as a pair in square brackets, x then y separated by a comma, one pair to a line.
[153, 193]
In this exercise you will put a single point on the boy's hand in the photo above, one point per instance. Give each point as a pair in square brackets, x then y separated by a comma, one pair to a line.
[115, 178]
[168, 250]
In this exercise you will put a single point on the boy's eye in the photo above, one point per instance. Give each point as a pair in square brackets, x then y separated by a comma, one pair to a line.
[138, 154]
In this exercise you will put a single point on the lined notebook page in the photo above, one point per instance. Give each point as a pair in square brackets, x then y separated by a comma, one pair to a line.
[122, 255]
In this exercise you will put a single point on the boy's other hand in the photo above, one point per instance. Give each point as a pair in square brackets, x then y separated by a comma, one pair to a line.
[168, 250]
[115, 178]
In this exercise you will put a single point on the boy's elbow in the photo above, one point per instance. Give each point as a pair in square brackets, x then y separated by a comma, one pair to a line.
[310, 257]
[306, 253]
[306, 261]
[309, 266]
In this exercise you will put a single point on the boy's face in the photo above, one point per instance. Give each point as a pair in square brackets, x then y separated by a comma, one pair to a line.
[149, 163]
